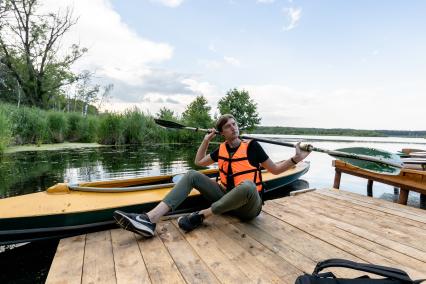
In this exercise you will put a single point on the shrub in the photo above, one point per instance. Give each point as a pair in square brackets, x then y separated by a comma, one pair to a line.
[110, 129]
[133, 126]
[29, 126]
[57, 124]
[89, 128]
[5, 131]
[74, 122]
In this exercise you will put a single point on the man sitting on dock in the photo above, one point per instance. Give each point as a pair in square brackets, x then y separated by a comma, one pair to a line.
[238, 192]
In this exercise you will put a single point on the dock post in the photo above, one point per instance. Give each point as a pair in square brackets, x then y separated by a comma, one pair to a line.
[370, 188]
[395, 190]
[403, 195]
[337, 178]
[422, 201]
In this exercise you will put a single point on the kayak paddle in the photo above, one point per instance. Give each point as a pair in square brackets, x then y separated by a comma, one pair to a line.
[370, 159]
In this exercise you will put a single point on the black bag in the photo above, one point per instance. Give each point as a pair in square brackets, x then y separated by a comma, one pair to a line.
[391, 275]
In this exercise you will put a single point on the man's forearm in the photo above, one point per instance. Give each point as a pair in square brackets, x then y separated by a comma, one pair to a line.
[202, 151]
[284, 165]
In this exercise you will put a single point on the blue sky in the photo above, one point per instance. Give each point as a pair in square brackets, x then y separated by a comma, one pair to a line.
[346, 64]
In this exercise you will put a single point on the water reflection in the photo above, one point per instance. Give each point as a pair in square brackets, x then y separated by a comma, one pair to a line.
[26, 172]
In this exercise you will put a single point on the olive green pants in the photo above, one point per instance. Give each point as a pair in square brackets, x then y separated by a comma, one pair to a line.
[243, 201]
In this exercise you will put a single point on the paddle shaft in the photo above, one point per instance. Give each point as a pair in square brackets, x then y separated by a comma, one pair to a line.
[341, 154]
[309, 147]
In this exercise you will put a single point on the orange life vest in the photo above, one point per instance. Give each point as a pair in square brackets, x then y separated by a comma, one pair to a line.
[241, 168]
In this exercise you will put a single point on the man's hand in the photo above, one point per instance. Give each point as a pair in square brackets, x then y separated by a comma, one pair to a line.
[300, 154]
[211, 135]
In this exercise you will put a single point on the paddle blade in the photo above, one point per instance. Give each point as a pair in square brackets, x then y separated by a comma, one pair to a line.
[377, 167]
[168, 124]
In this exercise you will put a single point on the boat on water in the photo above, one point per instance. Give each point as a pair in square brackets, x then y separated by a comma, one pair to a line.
[409, 152]
[65, 210]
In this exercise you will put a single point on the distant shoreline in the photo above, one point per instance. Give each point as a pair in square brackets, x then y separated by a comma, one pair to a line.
[338, 132]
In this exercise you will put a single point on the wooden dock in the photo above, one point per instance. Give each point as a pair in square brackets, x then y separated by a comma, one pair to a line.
[287, 239]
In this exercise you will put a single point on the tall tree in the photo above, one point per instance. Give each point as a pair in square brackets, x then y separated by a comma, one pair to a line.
[166, 114]
[29, 48]
[105, 96]
[197, 114]
[242, 107]
[86, 92]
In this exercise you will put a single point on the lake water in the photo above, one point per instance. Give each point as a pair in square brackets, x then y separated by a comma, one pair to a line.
[26, 172]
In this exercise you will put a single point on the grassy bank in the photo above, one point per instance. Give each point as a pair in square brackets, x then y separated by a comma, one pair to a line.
[51, 147]
[33, 126]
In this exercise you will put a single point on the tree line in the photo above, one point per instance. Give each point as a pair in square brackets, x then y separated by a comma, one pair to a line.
[31, 125]
[338, 132]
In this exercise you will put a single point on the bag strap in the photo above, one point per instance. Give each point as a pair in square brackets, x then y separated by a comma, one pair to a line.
[384, 271]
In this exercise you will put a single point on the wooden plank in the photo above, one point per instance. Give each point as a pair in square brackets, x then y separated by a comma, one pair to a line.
[389, 223]
[301, 191]
[373, 222]
[98, 259]
[356, 230]
[370, 222]
[301, 253]
[254, 271]
[379, 204]
[366, 207]
[309, 246]
[277, 246]
[412, 227]
[67, 265]
[159, 263]
[363, 249]
[129, 265]
[274, 263]
[209, 250]
[189, 263]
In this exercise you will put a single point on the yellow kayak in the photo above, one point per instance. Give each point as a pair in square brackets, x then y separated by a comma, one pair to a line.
[70, 209]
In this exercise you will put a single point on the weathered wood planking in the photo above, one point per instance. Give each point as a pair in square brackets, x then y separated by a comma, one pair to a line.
[287, 239]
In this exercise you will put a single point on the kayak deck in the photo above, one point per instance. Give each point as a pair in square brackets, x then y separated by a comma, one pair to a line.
[287, 239]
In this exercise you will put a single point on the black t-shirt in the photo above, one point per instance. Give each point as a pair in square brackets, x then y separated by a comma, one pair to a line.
[255, 153]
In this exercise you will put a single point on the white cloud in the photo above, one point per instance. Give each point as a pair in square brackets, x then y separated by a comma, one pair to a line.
[293, 16]
[203, 88]
[212, 47]
[360, 108]
[169, 3]
[210, 64]
[217, 64]
[115, 50]
[122, 57]
[265, 1]
[231, 61]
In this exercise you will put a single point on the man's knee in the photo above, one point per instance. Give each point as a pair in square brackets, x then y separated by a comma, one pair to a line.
[249, 186]
[193, 176]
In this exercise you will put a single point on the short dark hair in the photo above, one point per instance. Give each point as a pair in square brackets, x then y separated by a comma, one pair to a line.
[222, 120]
